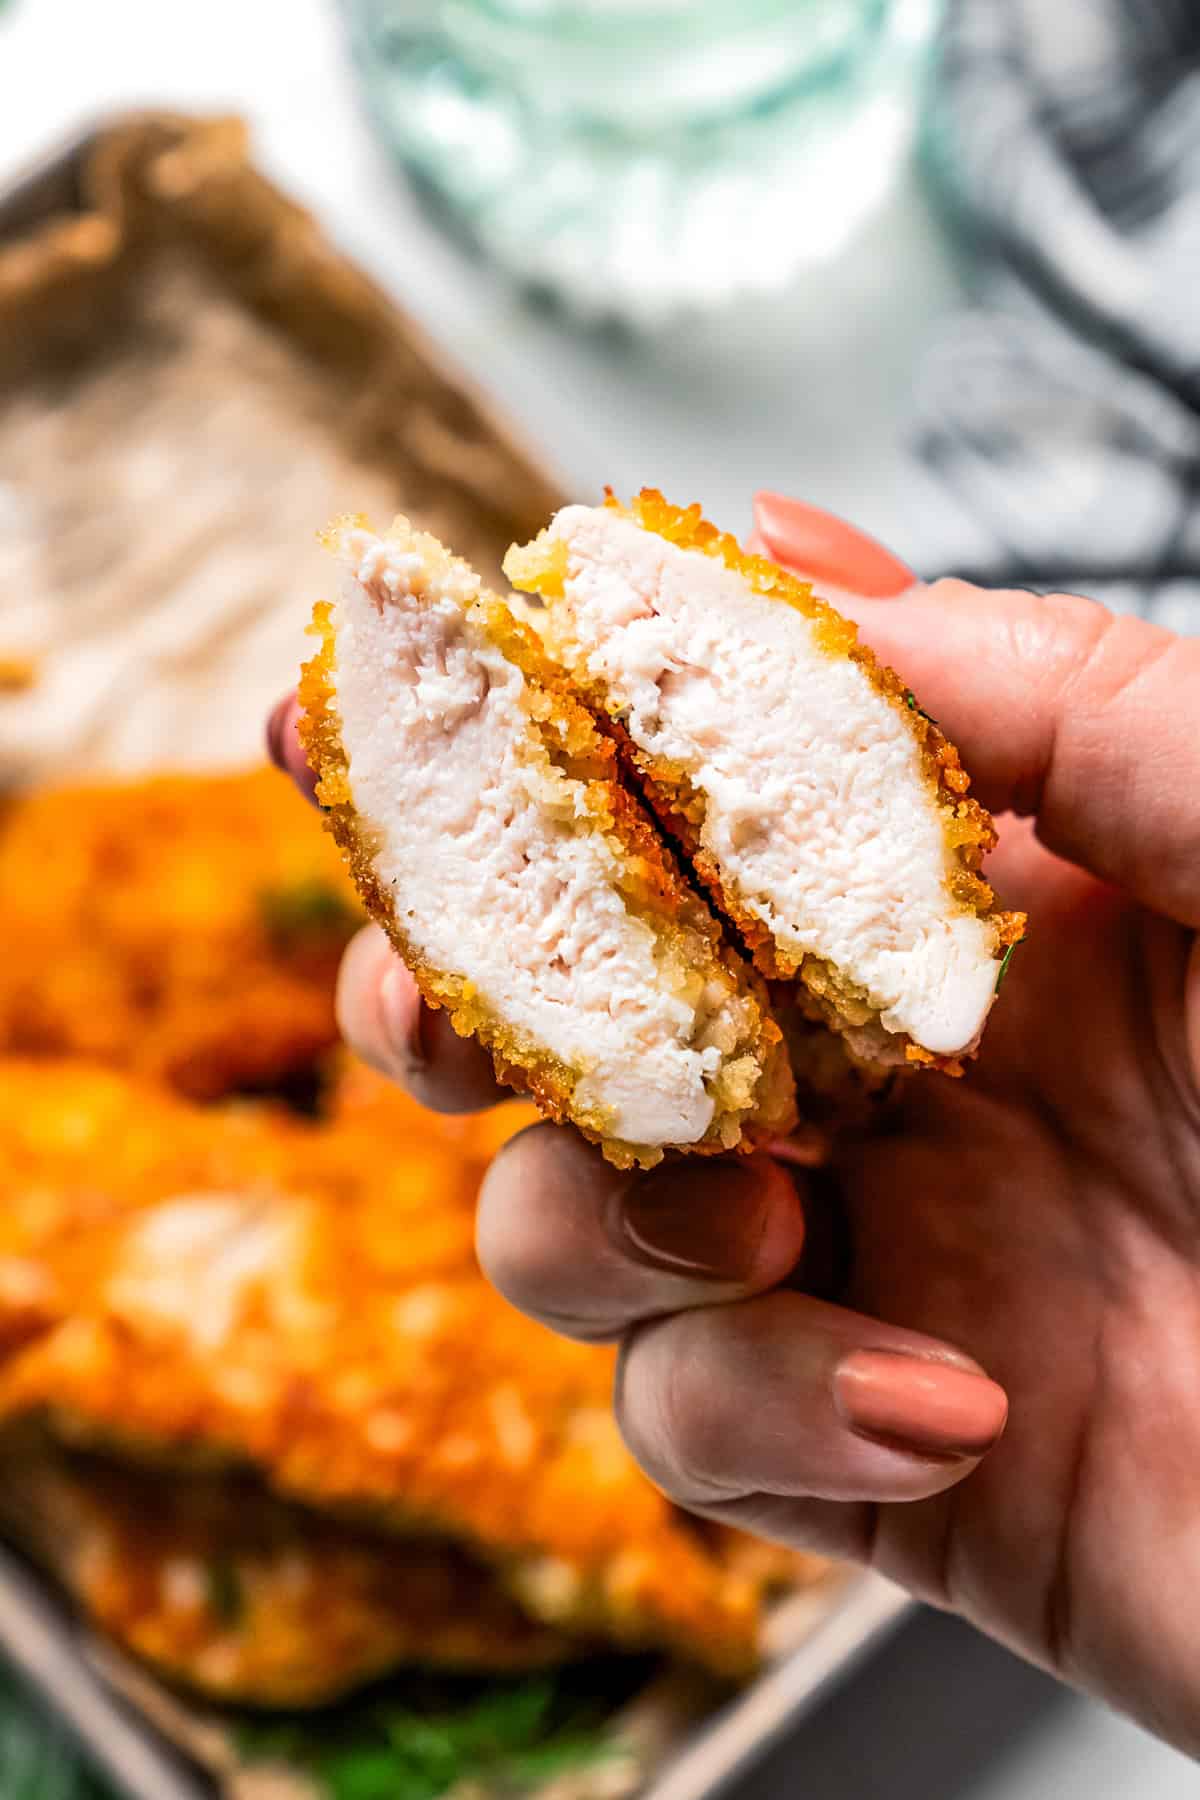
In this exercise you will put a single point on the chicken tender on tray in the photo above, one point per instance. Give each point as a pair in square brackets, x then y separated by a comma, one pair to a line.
[489, 829]
[184, 927]
[83, 1146]
[247, 1599]
[300, 1309]
[825, 813]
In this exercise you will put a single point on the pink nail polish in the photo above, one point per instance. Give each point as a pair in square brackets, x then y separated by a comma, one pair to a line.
[919, 1404]
[276, 724]
[822, 547]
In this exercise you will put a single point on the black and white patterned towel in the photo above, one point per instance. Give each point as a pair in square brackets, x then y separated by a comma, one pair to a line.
[1059, 417]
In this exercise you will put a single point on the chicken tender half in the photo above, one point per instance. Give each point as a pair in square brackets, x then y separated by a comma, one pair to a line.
[828, 817]
[304, 1307]
[489, 830]
[183, 927]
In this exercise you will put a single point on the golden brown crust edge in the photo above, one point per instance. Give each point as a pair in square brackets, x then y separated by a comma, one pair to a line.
[656, 887]
[968, 828]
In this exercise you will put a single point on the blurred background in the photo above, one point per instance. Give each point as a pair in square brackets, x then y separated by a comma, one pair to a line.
[930, 264]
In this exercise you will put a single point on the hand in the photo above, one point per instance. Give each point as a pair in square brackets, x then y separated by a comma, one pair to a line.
[1039, 1220]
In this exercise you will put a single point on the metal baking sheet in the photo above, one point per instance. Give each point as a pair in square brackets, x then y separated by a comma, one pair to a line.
[867, 1610]
[817, 1637]
[44, 1646]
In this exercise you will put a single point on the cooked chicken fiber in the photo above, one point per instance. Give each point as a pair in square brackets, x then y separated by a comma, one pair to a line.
[489, 830]
[242, 1294]
[825, 813]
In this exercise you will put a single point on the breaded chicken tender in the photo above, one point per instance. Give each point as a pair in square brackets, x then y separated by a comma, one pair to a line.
[489, 829]
[245, 1599]
[183, 927]
[234, 1292]
[83, 1146]
[826, 815]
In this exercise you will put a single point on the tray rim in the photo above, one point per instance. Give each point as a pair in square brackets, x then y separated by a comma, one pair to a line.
[47, 1652]
[43, 1649]
[726, 1749]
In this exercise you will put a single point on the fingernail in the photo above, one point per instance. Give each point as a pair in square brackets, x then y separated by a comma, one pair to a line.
[826, 548]
[706, 1221]
[278, 723]
[919, 1404]
[401, 1016]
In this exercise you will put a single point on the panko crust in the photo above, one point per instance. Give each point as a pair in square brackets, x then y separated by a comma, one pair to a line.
[184, 927]
[250, 1601]
[653, 885]
[361, 1367]
[968, 829]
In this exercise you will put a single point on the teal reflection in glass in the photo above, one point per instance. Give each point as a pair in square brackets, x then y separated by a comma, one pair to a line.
[638, 157]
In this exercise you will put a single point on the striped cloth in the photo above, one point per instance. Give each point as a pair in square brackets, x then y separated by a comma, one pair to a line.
[1059, 416]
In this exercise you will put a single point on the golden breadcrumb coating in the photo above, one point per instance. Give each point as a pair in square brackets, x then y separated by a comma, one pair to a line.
[753, 1092]
[183, 927]
[249, 1600]
[17, 673]
[235, 1289]
[541, 568]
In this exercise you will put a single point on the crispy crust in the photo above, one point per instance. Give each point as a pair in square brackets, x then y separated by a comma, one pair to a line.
[367, 1370]
[748, 1112]
[968, 829]
[245, 1599]
[191, 931]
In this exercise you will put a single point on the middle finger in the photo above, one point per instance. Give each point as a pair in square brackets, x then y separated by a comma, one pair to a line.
[591, 1251]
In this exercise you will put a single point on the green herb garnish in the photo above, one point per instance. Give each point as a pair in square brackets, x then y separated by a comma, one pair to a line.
[1008, 956]
[226, 1601]
[38, 1760]
[504, 1736]
[305, 910]
[910, 700]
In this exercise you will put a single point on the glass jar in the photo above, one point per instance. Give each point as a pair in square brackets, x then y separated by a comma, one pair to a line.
[639, 157]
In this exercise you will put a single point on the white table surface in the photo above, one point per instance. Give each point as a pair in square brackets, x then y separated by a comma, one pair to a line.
[805, 394]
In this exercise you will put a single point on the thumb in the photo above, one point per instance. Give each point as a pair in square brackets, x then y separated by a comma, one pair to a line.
[1068, 713]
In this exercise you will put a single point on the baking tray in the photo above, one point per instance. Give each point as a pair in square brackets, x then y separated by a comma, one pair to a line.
[98, 244]
[45, 1647]
[194, 381]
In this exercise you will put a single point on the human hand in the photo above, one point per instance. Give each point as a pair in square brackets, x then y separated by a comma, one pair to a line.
[1038, 1221]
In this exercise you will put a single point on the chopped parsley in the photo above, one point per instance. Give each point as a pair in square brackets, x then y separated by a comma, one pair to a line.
[1008, 956]
[303, 911]
[503, 1736]
[38, 1760]
[226, 1601]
